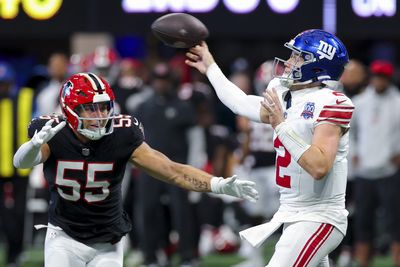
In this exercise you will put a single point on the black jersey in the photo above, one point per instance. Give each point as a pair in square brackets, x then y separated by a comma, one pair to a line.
[85, 180]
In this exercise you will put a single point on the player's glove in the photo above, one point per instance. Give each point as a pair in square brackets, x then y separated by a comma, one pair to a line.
[46, 133]
[237, 188]
[29, 154]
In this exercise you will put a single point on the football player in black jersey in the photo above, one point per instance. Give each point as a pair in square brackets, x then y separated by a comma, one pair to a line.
[84, 164]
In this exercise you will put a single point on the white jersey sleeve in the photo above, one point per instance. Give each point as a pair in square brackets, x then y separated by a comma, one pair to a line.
[335, 108]
[232, 96]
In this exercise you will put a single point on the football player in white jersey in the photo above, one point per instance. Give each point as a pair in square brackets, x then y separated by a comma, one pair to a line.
[311, 123]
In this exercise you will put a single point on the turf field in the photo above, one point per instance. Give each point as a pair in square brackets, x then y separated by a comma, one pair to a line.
[34, 258]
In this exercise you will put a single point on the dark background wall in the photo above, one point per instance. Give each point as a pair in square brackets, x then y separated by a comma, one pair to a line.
[257, 35]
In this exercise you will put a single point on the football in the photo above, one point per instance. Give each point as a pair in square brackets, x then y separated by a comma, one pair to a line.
[179, 30]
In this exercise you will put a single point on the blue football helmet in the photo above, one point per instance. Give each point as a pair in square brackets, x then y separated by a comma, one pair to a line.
[317, 55]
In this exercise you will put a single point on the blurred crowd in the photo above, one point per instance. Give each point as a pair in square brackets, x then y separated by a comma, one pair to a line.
[183, 118]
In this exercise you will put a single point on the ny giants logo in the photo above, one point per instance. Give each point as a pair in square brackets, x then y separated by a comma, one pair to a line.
[325, 50]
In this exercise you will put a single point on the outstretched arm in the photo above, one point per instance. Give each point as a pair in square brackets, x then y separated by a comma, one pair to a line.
[36, 150]
[233, 97]
[161, 167]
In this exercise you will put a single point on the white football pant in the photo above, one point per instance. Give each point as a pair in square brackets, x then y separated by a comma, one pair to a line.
[305, 244]
[62, 250]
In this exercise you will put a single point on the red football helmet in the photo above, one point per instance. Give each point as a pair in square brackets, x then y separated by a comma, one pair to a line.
[87, 102]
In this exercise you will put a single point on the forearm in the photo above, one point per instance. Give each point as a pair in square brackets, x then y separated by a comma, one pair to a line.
[191, 178]
[316, 158]
[291, 140]
[182, 175]
[27, 156]
[233, 97]
[315, 162]
[309, 157]
[161, 167]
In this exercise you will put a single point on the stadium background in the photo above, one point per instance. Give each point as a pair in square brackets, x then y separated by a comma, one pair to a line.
[30, 31]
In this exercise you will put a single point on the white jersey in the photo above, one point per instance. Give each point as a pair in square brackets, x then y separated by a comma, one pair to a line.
[304, 198]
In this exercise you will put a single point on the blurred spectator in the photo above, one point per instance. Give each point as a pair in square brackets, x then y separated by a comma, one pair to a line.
[240, 73]
[257, 160]
[38, 79]
[105, 62]
[178, 66]
[15, 114]
[258, 153]
[47, 99]
[263, 75]
[211, 149]
[128, 84]
[376, 130]
[240, 65]
[354, 80]
[79, 63]
[166, 119]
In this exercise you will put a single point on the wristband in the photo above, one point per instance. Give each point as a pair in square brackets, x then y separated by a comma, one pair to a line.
[291, 140]
[215, 186]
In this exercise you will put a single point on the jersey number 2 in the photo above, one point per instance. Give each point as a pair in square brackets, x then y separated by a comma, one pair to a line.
[74, 194]
[282, 162]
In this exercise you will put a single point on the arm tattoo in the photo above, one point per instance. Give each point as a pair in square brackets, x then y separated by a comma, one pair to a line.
[199, 185]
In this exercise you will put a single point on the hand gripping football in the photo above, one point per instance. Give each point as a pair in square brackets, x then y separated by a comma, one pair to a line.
[179, 30]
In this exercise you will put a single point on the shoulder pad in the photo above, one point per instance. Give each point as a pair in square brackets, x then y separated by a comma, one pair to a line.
[37, 123]
[336, 108]
[127, 121]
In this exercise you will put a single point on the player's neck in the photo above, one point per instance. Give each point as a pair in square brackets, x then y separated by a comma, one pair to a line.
[296, 87]
[81, 137]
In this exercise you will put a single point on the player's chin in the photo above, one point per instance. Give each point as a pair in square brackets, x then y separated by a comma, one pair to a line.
[94, 127]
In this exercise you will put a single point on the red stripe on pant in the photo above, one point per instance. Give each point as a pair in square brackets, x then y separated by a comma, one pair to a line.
[320, 244]
[306, 245]
[313, 244]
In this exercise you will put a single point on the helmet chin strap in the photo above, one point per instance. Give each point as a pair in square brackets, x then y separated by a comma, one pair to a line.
[92, 135]
[289, 83]
[286, 82]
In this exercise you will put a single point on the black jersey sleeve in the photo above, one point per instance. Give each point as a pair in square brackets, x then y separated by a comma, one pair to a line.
[131, 129]
[37, 123]
[138, 132]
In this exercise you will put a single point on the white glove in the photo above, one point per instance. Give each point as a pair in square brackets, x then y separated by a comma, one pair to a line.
[29, 154]
[233, 187]
[46, 133]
